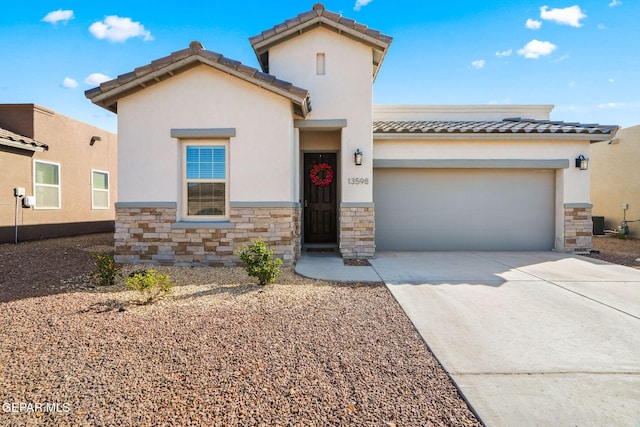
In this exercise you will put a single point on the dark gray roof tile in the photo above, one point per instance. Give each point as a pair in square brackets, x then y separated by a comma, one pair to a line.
[510, 125]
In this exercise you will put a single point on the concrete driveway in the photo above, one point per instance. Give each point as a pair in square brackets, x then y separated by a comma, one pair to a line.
[530, 338]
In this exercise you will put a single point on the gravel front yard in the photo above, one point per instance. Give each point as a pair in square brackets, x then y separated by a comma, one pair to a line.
[219, 351]
[618, 251]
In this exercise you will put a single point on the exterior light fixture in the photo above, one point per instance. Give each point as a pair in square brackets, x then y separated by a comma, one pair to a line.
[358, 157]
[582, 162]
[94, 139]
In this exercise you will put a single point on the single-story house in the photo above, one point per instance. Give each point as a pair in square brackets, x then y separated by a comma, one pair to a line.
[213, 153]
[58, 175]
[615, 192]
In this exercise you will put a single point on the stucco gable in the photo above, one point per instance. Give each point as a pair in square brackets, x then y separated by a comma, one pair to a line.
[320, 17]
[108, 93]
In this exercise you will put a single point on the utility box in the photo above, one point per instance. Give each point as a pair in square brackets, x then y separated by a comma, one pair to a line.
[29, 202]
[598, 225]
[18, 192]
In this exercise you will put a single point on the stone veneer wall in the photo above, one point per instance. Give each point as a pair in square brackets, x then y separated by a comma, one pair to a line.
[578, 227]
[357, 230]
[148, 233]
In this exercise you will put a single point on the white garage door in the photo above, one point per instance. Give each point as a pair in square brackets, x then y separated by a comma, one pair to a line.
[464, 209]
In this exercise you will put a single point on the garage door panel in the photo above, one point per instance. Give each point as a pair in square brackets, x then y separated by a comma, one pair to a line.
[457, 209]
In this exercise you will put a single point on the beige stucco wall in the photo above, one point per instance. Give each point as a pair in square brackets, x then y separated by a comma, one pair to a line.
[575, 188]
[202, 98]
[343, 92]
[615, 179]
[68, 140]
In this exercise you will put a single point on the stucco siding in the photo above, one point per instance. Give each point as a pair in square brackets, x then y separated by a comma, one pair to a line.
[259, 154]
[615, 177]
[575, 183]
[343, 92]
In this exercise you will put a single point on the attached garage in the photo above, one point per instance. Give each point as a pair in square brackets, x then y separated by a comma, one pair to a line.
[464, 209]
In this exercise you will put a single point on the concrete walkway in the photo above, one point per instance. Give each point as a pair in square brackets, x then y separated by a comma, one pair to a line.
[329, 266]
[530, 338]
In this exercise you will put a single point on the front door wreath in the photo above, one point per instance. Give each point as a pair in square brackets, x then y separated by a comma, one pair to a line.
[321, 174]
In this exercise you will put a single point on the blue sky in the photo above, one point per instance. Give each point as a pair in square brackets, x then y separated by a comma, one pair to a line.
[582, 56]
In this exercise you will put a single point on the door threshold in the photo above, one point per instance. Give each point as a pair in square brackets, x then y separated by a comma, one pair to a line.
[320, 247]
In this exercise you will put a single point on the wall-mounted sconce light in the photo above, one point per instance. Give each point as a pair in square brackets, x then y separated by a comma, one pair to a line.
[582, 162]
[358, 157]
[94, 139]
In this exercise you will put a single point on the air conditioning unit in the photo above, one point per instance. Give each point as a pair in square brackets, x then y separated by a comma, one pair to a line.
[29, 202]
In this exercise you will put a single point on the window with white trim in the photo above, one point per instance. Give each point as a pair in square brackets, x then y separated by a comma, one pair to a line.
[99, 189]
[46, 179]
[205, 191]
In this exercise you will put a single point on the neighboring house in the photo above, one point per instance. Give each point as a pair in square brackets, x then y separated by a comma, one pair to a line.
[214, 153]
[615, 180]
[67, 169]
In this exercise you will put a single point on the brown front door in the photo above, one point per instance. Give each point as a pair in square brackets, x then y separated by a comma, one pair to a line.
[320, 198]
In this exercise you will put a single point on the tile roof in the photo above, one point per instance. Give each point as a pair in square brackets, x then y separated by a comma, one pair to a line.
[11, 139]
[506, 126]
[108, 93]
[314, 18]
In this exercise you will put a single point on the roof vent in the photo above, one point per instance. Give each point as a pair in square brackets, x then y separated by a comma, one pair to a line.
[196, 46]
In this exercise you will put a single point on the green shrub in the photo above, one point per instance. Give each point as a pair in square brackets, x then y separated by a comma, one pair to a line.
[151, 284]
[106, 269]
[259, 262]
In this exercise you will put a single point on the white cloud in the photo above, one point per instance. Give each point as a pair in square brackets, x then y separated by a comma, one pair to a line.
[478, 64]
[611, 105]
[504, 53]
[70, 83]
[94, 79]
[360, 3]
[567, 16]
[532, 24]
[58, 16]
[601, 27]
[615, 3]
[535, 49]
[117, 29]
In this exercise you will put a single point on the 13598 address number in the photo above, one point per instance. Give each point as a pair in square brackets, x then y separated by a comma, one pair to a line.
[358, 181]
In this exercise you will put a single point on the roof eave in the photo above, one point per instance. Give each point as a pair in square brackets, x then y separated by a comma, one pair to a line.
[24, 145]
[590, 137]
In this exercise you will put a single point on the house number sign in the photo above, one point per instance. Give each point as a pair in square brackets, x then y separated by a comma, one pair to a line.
[358, 181]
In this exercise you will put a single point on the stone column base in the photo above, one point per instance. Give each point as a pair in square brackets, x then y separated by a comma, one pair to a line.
[578, 227]
[357, 230]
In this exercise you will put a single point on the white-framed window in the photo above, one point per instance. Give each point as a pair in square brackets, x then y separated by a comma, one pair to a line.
[99, 189]
[46, 182]
[205, 191]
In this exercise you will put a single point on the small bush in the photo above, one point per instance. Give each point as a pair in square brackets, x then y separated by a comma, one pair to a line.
[151, 284]
[259, 262]
[106, 269]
